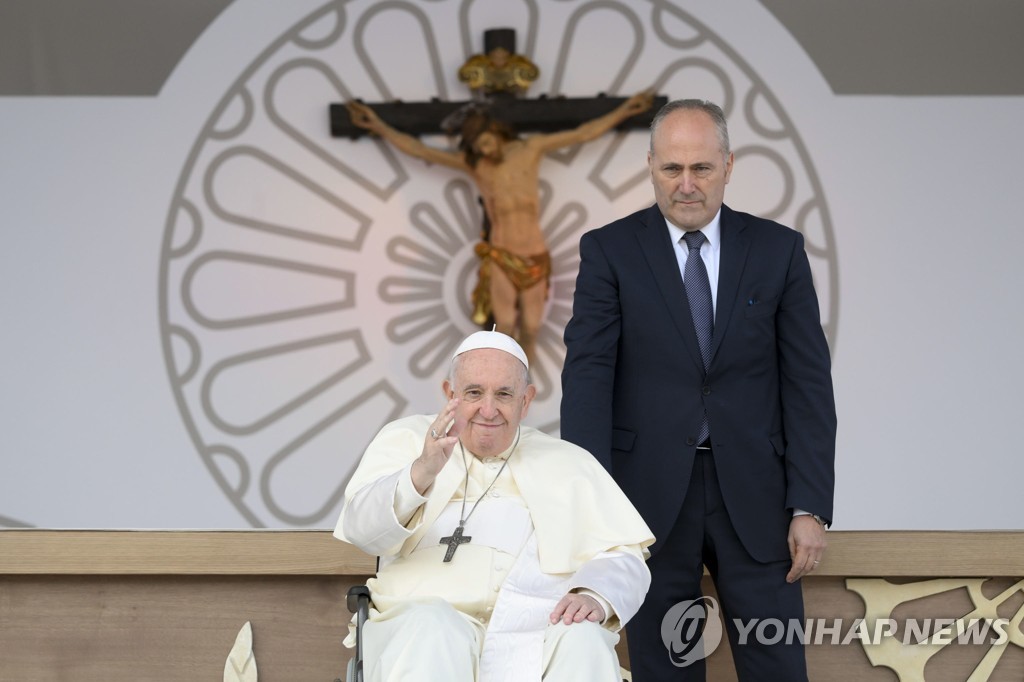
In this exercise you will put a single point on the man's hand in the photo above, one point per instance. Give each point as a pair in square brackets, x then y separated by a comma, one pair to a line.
[576, 608]
[436, 451]
[806, 546]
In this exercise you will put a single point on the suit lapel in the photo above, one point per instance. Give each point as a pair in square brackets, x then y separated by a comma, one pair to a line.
[660, 255]
[731, 262]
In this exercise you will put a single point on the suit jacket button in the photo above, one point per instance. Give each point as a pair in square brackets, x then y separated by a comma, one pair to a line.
[691, 441]
[706, 390]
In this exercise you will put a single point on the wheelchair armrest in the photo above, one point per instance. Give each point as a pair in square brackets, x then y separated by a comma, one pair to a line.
[358, 595]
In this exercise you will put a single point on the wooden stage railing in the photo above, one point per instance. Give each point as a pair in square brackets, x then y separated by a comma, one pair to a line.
[166, 605]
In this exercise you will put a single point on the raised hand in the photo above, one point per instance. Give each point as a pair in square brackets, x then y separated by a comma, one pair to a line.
[437, 448]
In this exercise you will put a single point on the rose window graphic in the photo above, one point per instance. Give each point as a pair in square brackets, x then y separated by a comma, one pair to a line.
[313, 288]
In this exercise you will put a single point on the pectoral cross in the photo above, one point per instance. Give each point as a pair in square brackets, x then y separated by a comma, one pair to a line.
[454, 540]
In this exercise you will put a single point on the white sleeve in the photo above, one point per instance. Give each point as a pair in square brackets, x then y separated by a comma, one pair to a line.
[375, 517]
[407, 500]
[620, 577]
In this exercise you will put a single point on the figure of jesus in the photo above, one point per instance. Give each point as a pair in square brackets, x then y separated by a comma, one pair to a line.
[515, 266]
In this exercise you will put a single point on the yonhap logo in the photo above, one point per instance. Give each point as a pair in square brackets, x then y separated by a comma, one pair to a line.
[691, 630]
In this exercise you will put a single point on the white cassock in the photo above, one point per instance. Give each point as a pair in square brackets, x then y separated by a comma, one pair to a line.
[554, 521]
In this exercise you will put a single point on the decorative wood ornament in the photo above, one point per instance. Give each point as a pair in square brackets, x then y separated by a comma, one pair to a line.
[241, 663]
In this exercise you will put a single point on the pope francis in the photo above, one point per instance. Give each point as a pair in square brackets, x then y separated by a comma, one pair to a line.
[505, 553]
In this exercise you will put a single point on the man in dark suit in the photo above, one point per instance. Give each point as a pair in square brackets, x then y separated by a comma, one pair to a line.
[712, 409]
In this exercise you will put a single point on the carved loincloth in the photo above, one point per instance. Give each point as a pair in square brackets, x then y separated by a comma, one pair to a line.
[523, 271]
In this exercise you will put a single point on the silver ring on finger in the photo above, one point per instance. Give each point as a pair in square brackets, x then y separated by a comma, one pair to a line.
[434, 434]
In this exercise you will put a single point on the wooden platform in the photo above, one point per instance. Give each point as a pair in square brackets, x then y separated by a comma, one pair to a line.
[167, 605]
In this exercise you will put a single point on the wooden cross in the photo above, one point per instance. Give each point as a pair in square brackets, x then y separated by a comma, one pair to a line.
[454, 540]
[543, 114]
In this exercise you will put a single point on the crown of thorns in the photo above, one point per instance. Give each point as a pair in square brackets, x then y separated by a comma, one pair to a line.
[452, 123]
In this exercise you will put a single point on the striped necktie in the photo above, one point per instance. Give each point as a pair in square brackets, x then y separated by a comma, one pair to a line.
[698, 293]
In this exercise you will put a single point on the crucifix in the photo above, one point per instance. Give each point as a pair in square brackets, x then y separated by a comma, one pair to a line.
[454, 540]
[512, 281]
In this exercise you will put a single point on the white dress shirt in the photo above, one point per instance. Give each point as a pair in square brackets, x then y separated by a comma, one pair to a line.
[710, 251]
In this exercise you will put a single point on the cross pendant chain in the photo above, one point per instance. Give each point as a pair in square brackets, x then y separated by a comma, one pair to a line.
[454, 540]
[457, 538]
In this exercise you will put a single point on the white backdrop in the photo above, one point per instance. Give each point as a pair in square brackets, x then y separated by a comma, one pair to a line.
[209, 305]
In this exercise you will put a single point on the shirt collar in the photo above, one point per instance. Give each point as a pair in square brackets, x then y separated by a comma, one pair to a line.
[712, 231]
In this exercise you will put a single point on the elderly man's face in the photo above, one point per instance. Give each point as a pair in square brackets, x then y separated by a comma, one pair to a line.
[493, 398]
[688, 168]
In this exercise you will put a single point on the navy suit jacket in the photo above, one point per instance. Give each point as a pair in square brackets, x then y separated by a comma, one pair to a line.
[634, 386]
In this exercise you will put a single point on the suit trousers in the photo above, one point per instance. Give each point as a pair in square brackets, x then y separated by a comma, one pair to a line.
[703, 535]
